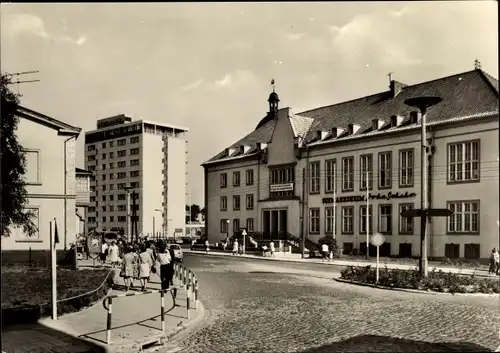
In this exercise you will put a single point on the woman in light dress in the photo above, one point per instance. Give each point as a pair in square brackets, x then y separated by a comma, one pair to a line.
[145, 264]
[129, 266]
[113, 254]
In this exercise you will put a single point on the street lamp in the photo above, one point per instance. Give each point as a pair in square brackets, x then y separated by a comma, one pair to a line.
[154, 229]
[129, 223]
[423, 103]
[227, 228]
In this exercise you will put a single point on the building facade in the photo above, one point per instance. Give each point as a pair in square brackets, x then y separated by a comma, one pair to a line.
[49, 145]
[82, 198]
[309, 172]
[141, 157]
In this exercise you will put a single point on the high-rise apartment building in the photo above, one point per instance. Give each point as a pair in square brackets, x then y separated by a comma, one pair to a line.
[142, 156]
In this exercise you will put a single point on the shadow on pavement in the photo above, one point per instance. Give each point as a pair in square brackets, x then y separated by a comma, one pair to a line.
[37, 338]
[373, 343]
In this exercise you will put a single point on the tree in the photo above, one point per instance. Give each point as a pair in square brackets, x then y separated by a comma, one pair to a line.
[195, 212]
[13, 165]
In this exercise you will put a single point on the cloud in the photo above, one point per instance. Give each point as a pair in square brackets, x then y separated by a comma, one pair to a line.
[234, 79]
[193, 85]
[225, 81]
[26, 24]
[294, 36]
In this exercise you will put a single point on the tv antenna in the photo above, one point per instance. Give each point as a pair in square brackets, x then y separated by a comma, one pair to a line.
[17, 81]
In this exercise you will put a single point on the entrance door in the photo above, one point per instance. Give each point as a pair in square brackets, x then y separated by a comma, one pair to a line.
[283, 222]
[266, 224]
[274, 224]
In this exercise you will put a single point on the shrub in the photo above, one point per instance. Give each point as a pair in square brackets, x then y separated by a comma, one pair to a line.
[438, 281]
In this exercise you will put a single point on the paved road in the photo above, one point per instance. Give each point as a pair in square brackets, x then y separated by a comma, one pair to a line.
[260, 306]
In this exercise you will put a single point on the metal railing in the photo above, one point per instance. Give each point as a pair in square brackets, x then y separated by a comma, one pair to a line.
[186, 279]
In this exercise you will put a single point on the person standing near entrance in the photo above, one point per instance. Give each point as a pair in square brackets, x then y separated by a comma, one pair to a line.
[324, 250]
[271, 248]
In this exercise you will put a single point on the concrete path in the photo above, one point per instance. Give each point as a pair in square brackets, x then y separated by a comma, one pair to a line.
[339, 262]
[135, 323]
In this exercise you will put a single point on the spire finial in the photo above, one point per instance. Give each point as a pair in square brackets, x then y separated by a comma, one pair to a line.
[390, 76]
[272, 83]
[477, 65]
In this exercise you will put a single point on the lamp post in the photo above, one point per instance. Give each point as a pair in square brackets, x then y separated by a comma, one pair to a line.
[227, 228]
[129, 214]
[162, 227]
[423, 103]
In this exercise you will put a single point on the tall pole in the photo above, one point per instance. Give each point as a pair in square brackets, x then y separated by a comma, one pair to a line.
[423, 193]
[302, 230]
[334, 202]
[367, 224]
[129, 223]
[53, 269]
[189, 219]
[154, 230]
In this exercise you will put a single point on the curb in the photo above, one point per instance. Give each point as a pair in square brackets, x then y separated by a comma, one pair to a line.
[330, 263]
[415, 291]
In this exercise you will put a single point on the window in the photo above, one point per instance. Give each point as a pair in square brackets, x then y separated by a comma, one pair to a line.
[405, 223]
[91, 209]
[122, 218]
[134, 162]
[104, 187]
[111, 187]
[472, 251]
[104, 219]
[236, 202]
[103, 156]
[120, 186]
[134, 139]
[90, 148]
[134, 151]
[236, 225]
[111, 144]
[366, 164]
[463, 161]
[236, 178]
[91, 158]
[111, 218]
[111, 165]
[330, 177]
[104, 145]
[249, 202]
[111, 176]
[103, 177]
[121, 142]
[103, 208]
[348, 174]
[385, 220]
[91, 168]
[122, 153]
[121, 175]
[111, 197]
[223, 203]
[362, 219]
[121, 164]
[122, 208]
[18, 233]
[384, 165]
[134, 184]
[223, 180]
[104, 197]
[281, 182]
[406, 162]
[314, 220]
[329, 220]
[249, 224]
[452, 251]
[347, 219]
[111, 154]
[314, 187]
[92, 198]
[92, 188]
[465, 217]
[122, 197]
[103, 166]
[249, 177]
[224, 226]
[134, 173]
[111, 207]
[32, 173]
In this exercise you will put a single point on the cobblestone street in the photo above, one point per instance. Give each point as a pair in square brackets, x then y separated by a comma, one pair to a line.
[254, 307]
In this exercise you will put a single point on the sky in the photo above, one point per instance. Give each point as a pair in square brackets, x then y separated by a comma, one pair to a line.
[208, 66]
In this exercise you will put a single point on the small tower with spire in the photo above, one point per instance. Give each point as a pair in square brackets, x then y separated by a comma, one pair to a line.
[273, 101]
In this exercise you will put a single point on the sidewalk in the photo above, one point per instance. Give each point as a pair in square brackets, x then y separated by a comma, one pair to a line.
[287, 257]
[135, 322]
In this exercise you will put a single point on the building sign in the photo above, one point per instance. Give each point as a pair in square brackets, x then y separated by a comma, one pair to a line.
[379, 196]
[94, 243]
[120, 119]
[282, 187]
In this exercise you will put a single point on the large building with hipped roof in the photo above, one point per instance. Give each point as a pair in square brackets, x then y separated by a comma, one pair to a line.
[308, 173]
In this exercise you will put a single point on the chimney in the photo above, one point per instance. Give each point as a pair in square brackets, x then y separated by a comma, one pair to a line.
[396, 87]
[352, 128]
[321, 134]
[337, 131]
[396, 120]
[377, 124]
[244, 149]
[261, 145]
[414, 117]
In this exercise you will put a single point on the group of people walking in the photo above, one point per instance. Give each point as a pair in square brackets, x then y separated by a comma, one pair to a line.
[139, 260]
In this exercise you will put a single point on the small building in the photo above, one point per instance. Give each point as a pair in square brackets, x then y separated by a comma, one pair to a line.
[82, 198]
[49, 145]
[313, 172]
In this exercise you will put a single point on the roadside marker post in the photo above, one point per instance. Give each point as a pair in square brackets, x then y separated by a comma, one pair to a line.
[377, 239]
